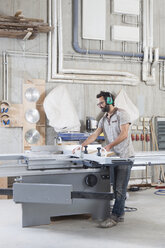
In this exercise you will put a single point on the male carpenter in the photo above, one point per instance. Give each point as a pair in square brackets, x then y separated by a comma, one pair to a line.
[115, 124]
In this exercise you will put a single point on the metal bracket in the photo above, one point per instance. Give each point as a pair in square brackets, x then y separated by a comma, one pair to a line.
[92, 195]
[74, 194]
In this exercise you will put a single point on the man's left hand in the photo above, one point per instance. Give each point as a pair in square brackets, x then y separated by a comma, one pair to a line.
[108, 147]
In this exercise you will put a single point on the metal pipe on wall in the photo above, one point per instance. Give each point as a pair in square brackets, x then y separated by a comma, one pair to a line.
[49, 35]
[151, 23]
[78, 49]
[162, 76]
[53, 40]
[148, 41]
[7, 79]
[8, 53]
[70, 72]
[106, 76]
[60, 63]
[151, 56]
[4, 75]
[25, 54]
[145, 29]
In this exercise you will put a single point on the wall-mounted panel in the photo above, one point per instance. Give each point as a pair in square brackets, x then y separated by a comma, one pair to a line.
[124, 33]
[130, 7]
[160, 131]
[94, 19]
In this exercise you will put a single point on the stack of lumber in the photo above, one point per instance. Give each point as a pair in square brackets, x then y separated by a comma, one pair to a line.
[19, 27]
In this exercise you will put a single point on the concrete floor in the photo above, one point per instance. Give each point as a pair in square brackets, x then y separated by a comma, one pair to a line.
[143, 228]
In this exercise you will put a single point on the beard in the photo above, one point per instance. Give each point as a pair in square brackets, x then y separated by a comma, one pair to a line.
[105, 109]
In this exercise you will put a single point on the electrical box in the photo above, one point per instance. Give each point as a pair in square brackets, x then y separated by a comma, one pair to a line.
[124, 33]
[94, 19]
[160, 131]
[129, 7]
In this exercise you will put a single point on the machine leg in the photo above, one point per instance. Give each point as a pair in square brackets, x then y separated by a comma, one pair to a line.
[34, 215]
[101, 211]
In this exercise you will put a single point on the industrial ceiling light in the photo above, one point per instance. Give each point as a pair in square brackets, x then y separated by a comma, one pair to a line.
[32, 95]
[32, 115]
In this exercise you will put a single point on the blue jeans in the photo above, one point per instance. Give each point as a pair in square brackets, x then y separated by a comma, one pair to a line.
[120, 182]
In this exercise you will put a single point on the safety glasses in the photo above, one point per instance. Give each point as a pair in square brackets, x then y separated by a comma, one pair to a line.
[100, 104]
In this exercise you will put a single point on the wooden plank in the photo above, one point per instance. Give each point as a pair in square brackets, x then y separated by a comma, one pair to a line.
[22, 19]
[18, 18]
[17, 27]
[23, 25]
[15, 34]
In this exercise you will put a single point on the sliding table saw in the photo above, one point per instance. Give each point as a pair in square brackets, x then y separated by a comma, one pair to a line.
[50, 184]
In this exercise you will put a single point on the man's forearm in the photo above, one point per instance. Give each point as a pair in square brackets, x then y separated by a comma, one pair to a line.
[92, 137]
[89, 140]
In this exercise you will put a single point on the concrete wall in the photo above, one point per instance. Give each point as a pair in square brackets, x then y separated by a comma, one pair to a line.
[149, 99]
[21, 68]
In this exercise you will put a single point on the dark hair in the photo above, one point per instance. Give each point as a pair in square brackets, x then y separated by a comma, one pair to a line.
[105, 94]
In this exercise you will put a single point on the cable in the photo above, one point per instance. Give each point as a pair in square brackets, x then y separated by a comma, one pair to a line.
[130, 209]
[160, 192]
[134, 188]
[144, 188]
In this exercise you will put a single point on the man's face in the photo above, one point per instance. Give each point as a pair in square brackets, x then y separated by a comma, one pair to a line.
[102, 104]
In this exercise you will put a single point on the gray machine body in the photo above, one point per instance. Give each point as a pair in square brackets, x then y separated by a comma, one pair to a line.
[46, 182]
[43, 197]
